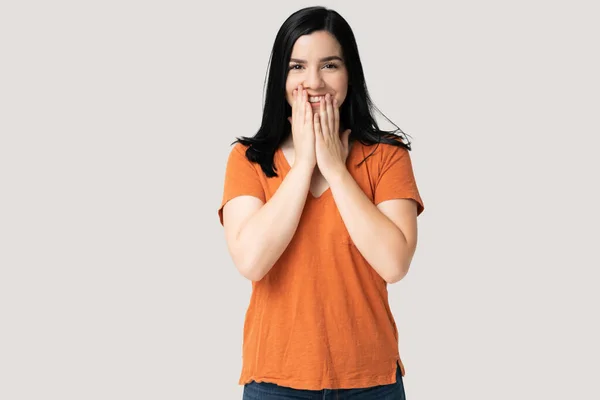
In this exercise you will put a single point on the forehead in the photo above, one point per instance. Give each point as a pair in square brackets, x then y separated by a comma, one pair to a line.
[316, 45]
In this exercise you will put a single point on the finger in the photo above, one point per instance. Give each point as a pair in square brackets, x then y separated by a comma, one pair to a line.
[345, 137]
[308, 116]
[295, 105]
[346, 143]
[299, 103]
[336, 116]
[323, 119]
[298, 99]
[304, 100]
[330, 117]
[317, 126]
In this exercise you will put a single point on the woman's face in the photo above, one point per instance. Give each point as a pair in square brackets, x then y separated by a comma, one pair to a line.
[316, 63]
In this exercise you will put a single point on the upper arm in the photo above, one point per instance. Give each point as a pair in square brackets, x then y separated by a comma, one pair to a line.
[236, 212]
[403, 213]
[243, 195]
[396, 178]
[397, 195]
[241, 179]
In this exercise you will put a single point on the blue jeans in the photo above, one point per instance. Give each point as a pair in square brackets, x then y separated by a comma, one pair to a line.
[271, 391]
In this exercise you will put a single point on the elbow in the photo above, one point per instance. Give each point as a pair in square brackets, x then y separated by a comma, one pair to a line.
[246, 265]
[252, 265]
[398, 262]
[251, 275]
[250, 270]
[398, 273]
[400, 268]
[394, 279]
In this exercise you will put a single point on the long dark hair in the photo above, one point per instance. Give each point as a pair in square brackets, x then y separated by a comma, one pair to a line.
[355, 112]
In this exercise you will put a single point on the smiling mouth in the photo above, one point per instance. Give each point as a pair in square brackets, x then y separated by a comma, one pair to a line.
[317, 100]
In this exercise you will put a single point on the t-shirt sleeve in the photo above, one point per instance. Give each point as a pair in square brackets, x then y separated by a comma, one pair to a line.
[241, 178]
[396, 179]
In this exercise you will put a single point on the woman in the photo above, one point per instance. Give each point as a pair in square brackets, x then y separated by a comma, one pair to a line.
[320, 212]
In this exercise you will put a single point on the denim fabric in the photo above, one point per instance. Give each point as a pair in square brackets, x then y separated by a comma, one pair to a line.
[271, 391]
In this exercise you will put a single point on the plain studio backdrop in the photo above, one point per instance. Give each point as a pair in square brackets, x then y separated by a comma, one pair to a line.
[116, 119]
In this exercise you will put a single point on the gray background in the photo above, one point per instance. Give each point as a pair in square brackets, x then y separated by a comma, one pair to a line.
[116, 119]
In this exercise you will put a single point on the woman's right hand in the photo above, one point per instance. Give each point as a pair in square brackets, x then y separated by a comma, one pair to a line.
[303, 133]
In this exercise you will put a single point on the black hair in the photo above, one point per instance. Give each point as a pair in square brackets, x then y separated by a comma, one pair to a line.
[355, 111]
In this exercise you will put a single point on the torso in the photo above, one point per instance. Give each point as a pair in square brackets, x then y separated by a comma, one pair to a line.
[321, 293]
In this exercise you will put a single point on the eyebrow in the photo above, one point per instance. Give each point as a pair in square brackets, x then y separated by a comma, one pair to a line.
[321, 60]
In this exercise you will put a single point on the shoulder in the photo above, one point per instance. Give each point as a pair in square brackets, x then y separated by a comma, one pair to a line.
[238, 152]
[390, 150]
[382, 153]
[237, 158]
[239, 148]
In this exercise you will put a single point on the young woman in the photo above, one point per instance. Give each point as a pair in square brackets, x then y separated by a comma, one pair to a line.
[320, 212]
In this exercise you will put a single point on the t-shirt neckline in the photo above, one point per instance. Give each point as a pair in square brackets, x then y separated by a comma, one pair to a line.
[288, 167]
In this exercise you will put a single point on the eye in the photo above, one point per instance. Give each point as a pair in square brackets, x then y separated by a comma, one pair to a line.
[329, 66]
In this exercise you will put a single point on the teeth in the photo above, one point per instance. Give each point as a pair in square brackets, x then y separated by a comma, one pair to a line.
[314, 99]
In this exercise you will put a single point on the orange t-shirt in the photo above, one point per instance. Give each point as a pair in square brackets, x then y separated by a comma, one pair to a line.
[320, 318]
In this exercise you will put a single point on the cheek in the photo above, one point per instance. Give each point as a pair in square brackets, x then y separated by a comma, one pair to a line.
[341, 87]
[289, 97]
[342, 93]
[289, 88]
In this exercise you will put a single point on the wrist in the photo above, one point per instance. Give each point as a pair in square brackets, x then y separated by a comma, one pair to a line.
[304, 166]
[336, 176]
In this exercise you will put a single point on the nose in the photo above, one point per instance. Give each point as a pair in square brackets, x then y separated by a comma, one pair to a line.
[313, 79]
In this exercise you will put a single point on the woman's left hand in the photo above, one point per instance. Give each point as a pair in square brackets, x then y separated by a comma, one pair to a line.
[331, 147]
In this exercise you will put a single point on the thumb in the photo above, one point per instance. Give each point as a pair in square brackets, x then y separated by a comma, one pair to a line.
[345, 136]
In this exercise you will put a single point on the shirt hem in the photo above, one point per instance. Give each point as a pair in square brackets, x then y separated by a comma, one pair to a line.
[305, 384]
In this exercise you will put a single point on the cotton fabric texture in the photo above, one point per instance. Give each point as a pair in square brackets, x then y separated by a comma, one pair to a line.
[320, 318]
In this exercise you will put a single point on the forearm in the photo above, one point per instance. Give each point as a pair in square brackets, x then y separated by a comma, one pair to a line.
[377, 238]
[266, 235]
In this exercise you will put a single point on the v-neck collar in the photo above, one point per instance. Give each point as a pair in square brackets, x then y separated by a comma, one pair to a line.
[287, 167]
